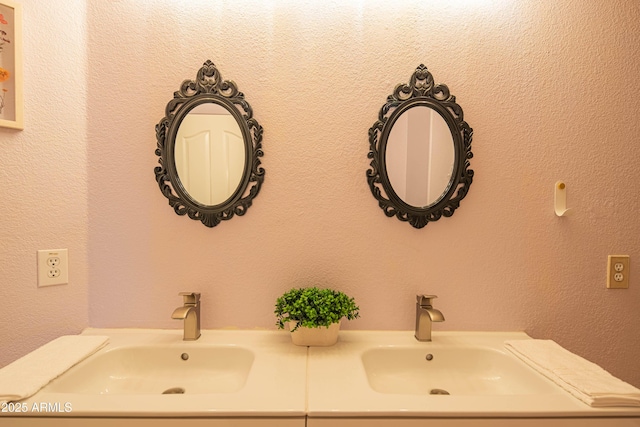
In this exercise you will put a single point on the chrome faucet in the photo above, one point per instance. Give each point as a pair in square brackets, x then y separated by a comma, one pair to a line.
[190, 313]
[425, 315]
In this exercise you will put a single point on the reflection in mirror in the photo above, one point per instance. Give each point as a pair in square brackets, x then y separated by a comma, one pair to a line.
[420, 148]
[420, 156]
[209, 154]
[209, 149]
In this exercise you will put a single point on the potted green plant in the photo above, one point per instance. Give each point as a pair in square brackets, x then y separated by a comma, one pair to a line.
[313, 315]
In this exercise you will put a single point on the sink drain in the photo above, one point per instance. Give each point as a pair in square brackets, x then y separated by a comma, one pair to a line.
[174, 390]
[439, 391]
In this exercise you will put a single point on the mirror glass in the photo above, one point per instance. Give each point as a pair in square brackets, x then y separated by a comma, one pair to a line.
[420, 156]
[420, 148]
[209, 154]
[209, 147]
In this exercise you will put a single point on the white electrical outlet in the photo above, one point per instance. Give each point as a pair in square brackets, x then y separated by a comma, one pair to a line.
[53, 267]
[618, 272]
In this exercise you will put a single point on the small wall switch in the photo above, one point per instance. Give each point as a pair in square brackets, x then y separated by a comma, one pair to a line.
[618, 272]
[53, 267]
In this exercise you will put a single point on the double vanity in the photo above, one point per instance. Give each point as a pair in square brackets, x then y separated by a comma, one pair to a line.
[369, 378]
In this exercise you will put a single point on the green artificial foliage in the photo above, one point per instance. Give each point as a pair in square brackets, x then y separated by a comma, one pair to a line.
[313, 307]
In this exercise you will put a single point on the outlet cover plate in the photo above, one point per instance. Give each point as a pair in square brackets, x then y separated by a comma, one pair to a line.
[618, 272]
[53, 267]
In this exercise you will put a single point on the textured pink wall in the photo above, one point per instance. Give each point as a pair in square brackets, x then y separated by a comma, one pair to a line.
[43, 171]
[550, 88]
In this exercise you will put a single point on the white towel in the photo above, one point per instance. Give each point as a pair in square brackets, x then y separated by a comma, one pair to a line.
[583, 379]
[27, 375]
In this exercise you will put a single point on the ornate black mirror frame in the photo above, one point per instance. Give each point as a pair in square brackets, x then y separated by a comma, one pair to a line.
[208, 87]
[421, 91]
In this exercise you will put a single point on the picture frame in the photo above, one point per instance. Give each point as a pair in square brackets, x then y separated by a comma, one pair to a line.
[11, 108]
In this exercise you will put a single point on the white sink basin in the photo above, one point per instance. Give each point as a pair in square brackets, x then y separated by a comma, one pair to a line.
[470, 374]
[187, 368]
[142, 373]
[451, 370]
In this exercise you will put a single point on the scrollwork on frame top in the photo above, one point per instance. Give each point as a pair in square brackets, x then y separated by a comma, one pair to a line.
[208, 81]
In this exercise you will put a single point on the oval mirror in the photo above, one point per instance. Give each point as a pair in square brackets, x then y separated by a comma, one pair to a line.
[209, 148]
[420, 148]
[209, 154]
[420, 156]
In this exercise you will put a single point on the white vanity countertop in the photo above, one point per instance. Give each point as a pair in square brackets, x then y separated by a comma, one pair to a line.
[338, 385]
[286, 381]
[275, 386]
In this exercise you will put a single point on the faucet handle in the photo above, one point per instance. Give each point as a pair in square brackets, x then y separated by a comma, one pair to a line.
[425, 300]
[190, 297]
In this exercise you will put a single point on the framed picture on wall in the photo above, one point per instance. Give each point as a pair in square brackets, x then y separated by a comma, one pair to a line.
[11, 65]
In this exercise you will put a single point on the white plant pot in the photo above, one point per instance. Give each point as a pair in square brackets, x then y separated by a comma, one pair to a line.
[317, 337]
